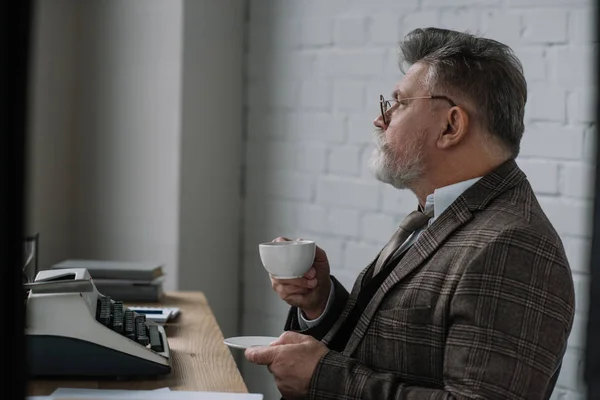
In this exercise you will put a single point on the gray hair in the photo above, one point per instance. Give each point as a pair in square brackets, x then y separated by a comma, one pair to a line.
[482, 70]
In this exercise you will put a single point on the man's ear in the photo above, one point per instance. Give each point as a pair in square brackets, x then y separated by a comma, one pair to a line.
[455, 129]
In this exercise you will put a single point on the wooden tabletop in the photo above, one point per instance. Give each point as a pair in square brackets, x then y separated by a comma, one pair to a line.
[201, 362]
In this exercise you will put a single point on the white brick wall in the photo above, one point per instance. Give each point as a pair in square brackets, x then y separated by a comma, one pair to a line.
[315, 70]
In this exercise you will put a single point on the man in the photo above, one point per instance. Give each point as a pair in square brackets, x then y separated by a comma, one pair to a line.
[473, 296]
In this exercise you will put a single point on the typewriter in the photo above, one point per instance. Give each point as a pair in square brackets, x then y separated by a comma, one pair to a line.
[73, 330]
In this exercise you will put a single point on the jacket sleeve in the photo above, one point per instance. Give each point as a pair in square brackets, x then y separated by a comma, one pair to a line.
[508, 323]
[319, 331]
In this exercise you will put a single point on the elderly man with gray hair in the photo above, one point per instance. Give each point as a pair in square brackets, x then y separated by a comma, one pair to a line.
[473, 296]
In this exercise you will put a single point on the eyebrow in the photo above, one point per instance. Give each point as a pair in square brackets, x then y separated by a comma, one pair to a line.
[398, 94]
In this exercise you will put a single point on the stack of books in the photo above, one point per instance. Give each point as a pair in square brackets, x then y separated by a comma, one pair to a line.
[123, 280]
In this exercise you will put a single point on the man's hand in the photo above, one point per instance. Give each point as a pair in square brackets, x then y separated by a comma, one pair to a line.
[309, 293]
[292, 360]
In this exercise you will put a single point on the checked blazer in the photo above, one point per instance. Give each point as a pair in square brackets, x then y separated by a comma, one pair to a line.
[480, 307]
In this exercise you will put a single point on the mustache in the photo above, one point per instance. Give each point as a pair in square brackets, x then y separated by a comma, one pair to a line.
[379, 139]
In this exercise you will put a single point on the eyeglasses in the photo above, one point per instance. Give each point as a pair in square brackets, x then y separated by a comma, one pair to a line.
[385, 105]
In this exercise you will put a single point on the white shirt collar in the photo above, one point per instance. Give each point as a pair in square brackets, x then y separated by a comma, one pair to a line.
[443, 197]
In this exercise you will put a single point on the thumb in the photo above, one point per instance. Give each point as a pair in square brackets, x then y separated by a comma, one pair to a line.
[320, 255]
[290, 337]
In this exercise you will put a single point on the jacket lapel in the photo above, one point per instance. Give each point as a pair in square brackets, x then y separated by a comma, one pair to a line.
[460, 212]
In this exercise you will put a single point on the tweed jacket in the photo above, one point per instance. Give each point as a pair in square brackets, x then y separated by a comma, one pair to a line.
[480, 307]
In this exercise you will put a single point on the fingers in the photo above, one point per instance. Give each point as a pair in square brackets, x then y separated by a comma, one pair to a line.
[261, 355]
[311, 273]
[290, 337]
[281, 239]
[286, 292]
[296, 283]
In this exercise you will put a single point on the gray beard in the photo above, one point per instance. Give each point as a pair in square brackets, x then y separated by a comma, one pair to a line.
[400, 173]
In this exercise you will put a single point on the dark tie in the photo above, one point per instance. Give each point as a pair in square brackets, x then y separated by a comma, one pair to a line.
[413, 221]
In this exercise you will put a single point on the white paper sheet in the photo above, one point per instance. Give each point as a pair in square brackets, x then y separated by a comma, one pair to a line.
[108, 393]
[159, 394]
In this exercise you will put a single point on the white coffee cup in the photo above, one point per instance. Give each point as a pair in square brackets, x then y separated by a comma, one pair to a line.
[287, 260]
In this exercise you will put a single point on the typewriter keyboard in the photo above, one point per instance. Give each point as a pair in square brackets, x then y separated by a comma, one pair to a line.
[114, 315]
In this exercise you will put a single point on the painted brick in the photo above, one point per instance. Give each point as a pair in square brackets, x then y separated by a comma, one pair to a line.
[332, 246]
[379, 6]
[542, 175]
[350, 31]
[365, 162]
[322, 8]
[582, 287]
[348, 95]
[564, 394]
[504, 26]
[262, 40]
[262, 298]
[346, 277]
[457, 3]
[549, 3]
[391, 67]
[545, 26]
[265, 11]
[589, 148]
[383, 29]
[571, 377]
[280, 65]
[311, 217]
[315, 95]
[346, 192]
[581, 105]
[578, 180]
[534, 62]
[262, 124]
[316, 32]
[546, 103]
[578, 334]
[358, 255]
[350, 63]
[419, 19]
[344, 160]
[553, 142]
[343, 222]
[290, 185]
[578, 253]
[461, 19]
[581, 26]
[360, 128]
[314, 126]
[304, 157]
[269, 96]
[397, 201]
[258, 234]
[568, 217]
[575, 65]
[274, 212]
[378, 228]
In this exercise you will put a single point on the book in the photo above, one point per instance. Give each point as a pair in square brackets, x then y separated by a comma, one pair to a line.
[117, 290]
[126, 270]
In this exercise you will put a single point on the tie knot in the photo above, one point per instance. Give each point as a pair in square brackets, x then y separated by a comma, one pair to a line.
[415, 220]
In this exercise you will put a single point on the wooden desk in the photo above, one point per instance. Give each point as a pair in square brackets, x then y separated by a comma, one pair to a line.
[201, 362]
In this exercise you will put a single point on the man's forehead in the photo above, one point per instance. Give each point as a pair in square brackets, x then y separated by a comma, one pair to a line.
[411, 81]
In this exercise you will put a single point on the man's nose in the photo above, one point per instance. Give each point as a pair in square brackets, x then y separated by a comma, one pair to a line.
[378, 122]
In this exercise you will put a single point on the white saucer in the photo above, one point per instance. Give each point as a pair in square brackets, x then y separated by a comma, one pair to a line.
[243, 342]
